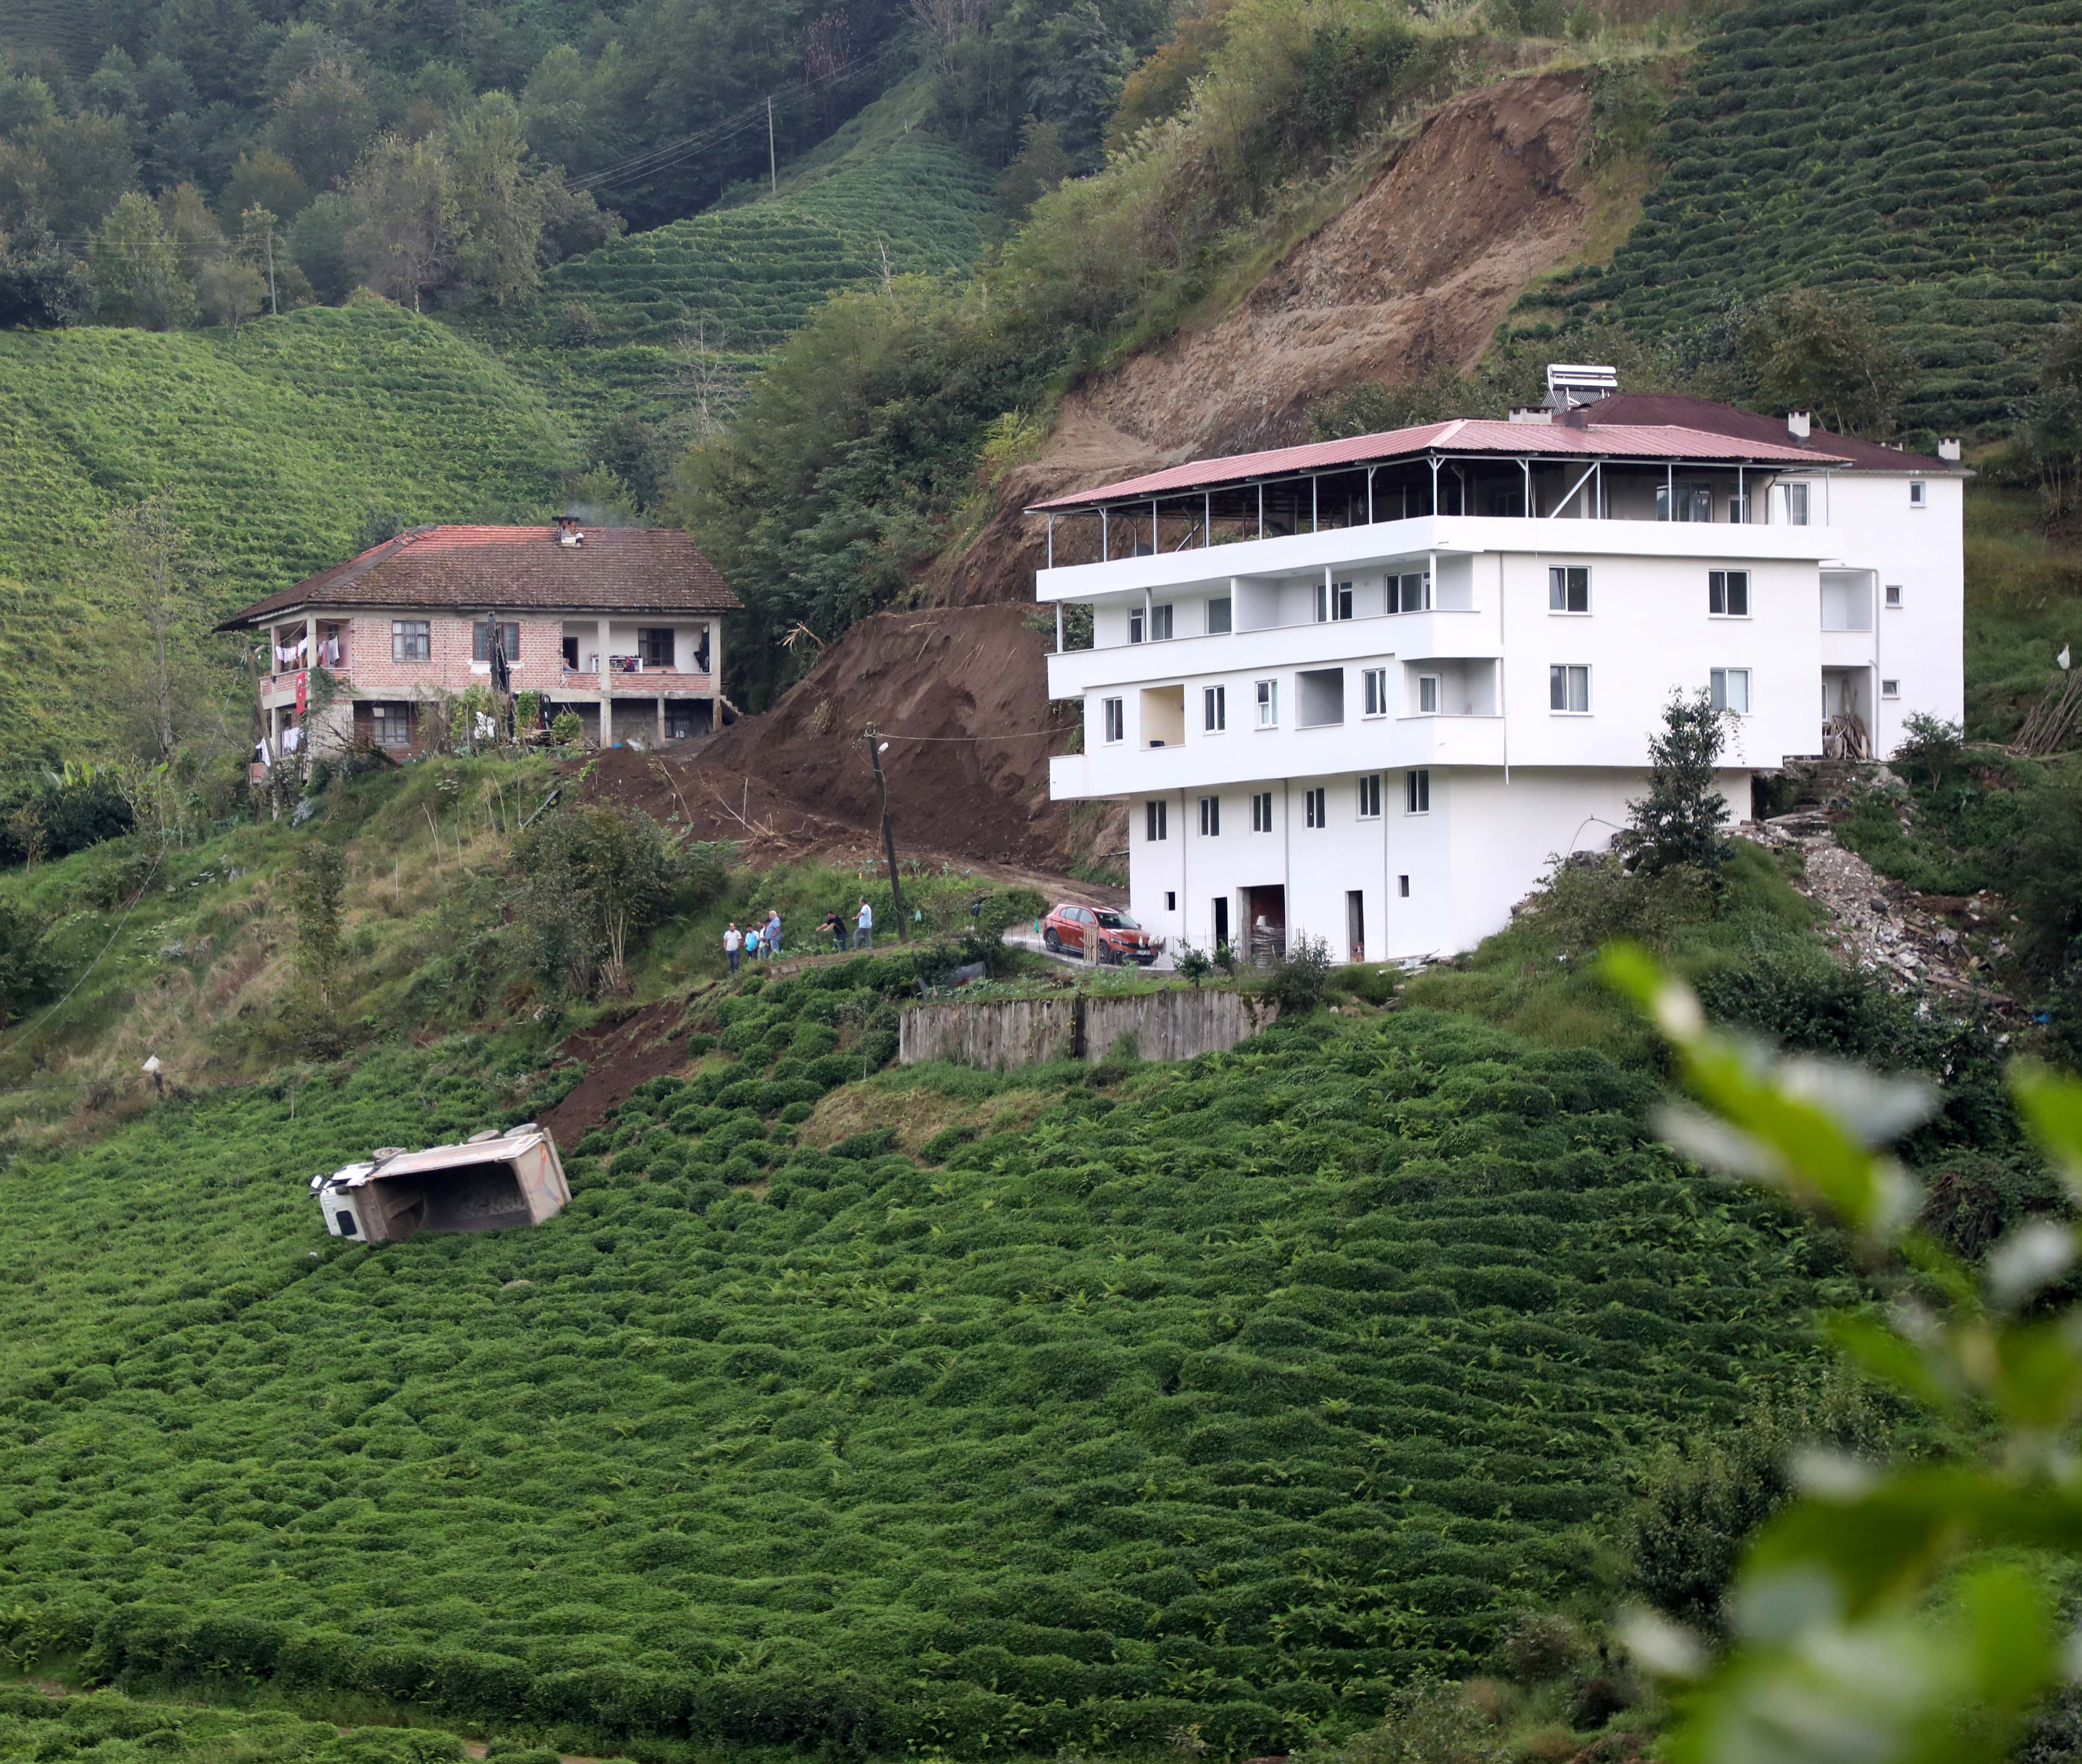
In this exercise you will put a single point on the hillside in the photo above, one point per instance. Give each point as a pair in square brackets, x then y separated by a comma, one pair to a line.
[1221, 1395]
[1919, 156]
[274, 446]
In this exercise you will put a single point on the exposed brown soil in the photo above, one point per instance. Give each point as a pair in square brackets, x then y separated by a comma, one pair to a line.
[1489, 192]
[620, 1053]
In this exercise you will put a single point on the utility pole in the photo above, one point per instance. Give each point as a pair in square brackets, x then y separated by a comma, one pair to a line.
[773, 170]
[274, 310]
[874, 747]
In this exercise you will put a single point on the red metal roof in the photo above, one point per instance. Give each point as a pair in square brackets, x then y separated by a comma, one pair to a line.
[1728, 420]
[617, 569]
[1598, 440]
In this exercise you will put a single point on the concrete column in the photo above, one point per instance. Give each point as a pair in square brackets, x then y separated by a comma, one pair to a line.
[661, 717]
[715, 674]
[606, 692]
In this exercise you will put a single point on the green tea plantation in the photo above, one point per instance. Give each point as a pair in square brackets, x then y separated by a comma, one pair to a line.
[1215, 1397]
[1921, 156]
[273, 445]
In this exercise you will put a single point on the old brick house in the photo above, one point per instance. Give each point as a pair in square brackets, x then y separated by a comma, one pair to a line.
[622, 625]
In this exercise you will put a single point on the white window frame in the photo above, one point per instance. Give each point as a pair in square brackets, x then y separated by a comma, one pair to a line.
[1721, 685]
[1228, 624]
[1396, 603]
[1891, 596]
[1369, 807]
[1316, 806]
[1214, 709]
[1428, 695]
[1375, 691]
[1889, 688]
[1267, 692]
[1725, 581]
[1211, 817]
[1261, 811]
[1334, 602]
[1919, 494]
[1157, 829]
[405, 635]
[1568, 671]
[1799, 505]
[1559, 588]
[1417, 791]
[1160, 623]
[1113, 722]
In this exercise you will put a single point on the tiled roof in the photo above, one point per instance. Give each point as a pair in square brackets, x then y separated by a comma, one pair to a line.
[515, 569]
[1726, 419]
[1599, 440]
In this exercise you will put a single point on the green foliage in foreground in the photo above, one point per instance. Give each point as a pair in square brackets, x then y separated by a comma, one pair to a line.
[106, 1727]
[273, 446]
[1229, 1398]
[1891, 1617]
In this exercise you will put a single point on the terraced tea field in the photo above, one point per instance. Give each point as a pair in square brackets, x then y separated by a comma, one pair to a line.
[1223, 1394]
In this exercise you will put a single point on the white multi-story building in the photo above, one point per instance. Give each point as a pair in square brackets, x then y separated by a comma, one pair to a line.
[1366, 690]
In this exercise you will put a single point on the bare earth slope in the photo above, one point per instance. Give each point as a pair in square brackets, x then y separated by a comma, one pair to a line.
[1489, 192]
[1486, 193]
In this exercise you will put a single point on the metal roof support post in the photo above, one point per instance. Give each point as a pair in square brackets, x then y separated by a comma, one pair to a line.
[1206, 539]
[1525, 465]
[1669, 491]
[1370, 470]
[1106, 543]
[1434, 486]
[1598, 491]
[1154, 548]
[1052, 547]
[1315, 503]
[1741, 503]
[1261, 508]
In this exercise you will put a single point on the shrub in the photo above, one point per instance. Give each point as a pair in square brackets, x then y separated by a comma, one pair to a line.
[1301, 976]
[1680, 819]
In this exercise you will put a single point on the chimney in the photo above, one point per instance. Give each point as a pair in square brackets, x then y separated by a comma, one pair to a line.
[568, 531]
[1535, 414]
[1949, 448]
[1797, 424]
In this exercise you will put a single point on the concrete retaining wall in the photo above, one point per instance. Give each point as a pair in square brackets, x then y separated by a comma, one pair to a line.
[1026, 1032]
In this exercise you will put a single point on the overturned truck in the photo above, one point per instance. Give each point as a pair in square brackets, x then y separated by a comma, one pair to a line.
[493, 1180]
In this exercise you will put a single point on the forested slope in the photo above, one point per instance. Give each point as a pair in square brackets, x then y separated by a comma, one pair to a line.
[273, 447]
[1920, 156]
[1227, 1394]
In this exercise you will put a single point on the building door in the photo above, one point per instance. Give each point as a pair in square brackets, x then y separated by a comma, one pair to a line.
[1355, 923]
[1267, 910]
[1221, 920]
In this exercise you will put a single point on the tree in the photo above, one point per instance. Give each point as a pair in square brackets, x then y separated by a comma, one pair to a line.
[323, 241]
[229, 292]
[137, 269]
[635, 453]
[41, 288]
[27, 975]
[404, 235]
[593, 881]
[2053, 417]
[1680, 819]
[154, 581]
[324, 124]
[198, 240]
[1815, 349]
[88, 164]
[497, 202]
[264, 178]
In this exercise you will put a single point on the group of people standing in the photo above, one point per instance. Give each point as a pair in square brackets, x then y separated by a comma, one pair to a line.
[765, 939]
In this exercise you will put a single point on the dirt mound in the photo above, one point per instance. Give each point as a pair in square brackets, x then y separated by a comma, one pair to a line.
[620, 1053]
[1489, 192]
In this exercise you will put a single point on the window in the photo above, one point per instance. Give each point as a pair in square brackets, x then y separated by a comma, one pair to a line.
[1889, 688]
[1729, 688]
[1738, 509]
[412, 640]
[1170, 900]
[1154, 813]
[1261, 812]
[1135, 632]
[1918, 494]
[1160, 624]
[1377, 692]
[1402, 887]
[1268, 704]
[1685, 502]
[1568, 690]
[1214, 709]
[1315, 807]
[1409, 593]
[1211, 817]
[1333, 601]
[1728, 594]
[654, 647]
[1796, 504]
[1416, 793]
[1218, 615]
[1568, 588]
[1894, 596]
[390, 726]
[571, 652]
[1113, 719]
[480, 641]
[1428, 695]
[1370, 797]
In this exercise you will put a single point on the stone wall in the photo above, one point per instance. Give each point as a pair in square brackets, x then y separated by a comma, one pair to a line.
[1003, 1034]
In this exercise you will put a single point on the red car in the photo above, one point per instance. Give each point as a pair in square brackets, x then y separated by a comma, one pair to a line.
[1120, 938]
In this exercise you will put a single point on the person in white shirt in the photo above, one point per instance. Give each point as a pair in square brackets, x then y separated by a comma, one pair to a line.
[866, 924]
[733, 945]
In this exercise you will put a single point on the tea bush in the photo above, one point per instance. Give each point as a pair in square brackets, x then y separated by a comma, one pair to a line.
[1225, 1400]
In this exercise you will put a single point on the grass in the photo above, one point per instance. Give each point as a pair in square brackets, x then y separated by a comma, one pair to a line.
[1221, 1396]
